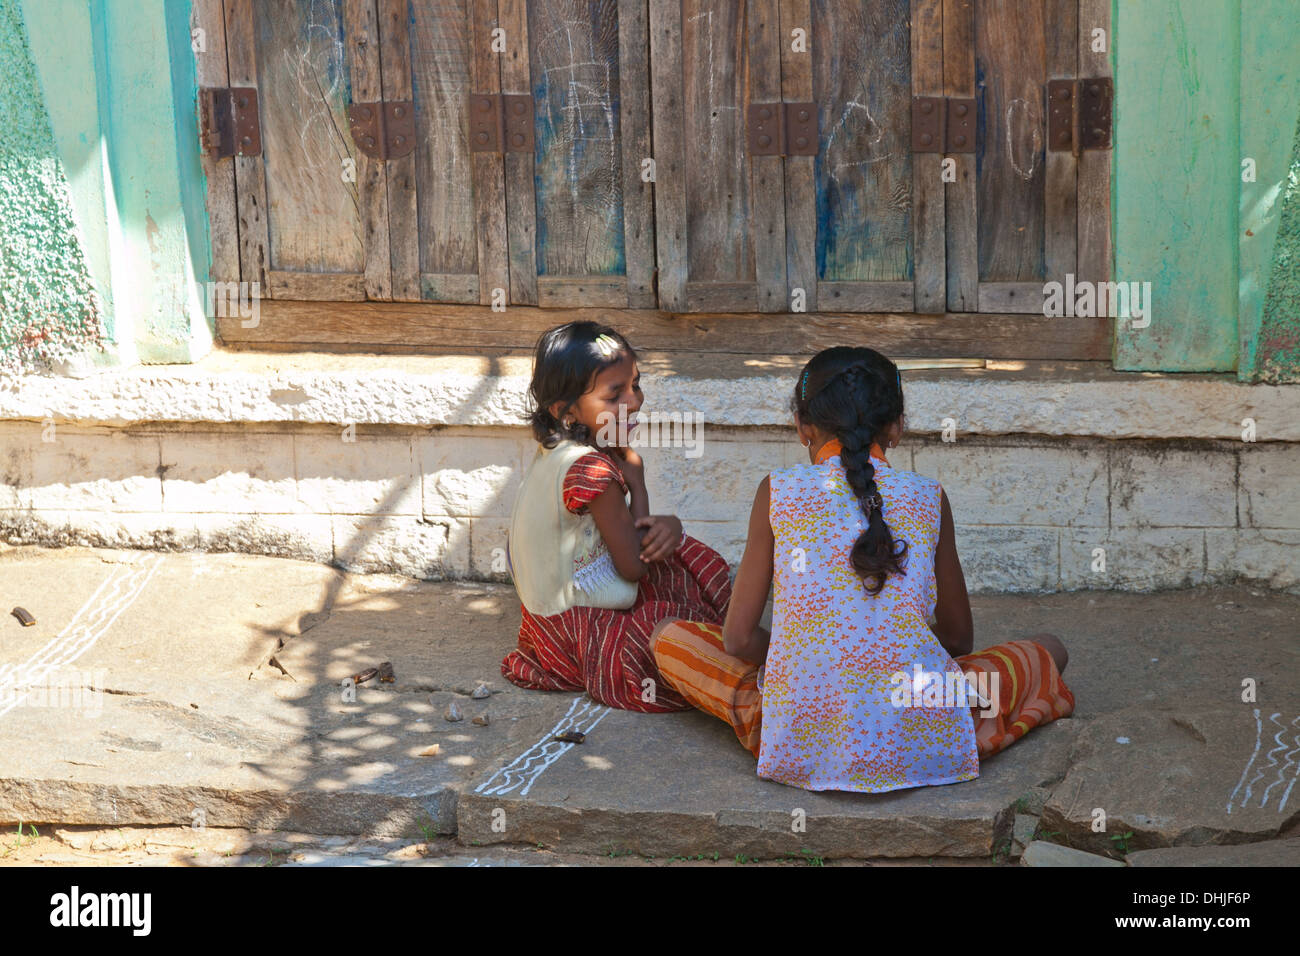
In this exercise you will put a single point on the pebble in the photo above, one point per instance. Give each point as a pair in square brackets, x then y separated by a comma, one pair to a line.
[481, 720]
[453, 713]
[481, 692]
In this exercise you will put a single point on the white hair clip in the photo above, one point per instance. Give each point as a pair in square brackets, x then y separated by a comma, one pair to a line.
[607, 345]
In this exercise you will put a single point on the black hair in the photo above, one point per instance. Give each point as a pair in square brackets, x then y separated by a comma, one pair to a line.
[854, 394]
[565, 362]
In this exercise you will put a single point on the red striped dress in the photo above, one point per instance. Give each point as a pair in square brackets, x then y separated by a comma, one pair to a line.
[605, 651]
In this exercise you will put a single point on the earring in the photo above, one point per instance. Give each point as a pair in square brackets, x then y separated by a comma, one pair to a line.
[806, 442]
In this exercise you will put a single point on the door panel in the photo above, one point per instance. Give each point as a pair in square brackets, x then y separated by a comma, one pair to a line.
[306, 201]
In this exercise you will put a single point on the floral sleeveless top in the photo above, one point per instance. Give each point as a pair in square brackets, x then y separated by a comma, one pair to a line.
[836, 715]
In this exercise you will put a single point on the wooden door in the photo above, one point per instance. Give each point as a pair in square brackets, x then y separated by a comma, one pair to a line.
[312, 210]
[719, 216]
[579, 209]
[1020, 214]
[865, 216]
[856, 228]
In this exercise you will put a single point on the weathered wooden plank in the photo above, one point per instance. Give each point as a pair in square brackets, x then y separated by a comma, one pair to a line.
[1022, 297]
[210, 70]
[669, 150]
[721, 297]
[573, 50]
[477, 329]
[862, 67]
[1010, 56]
[319, 286]
[317, 200]
[800, 171]
[961, 245]
[928, 221]
[719, 205]
[441, 42]
[1060, 193]
[250, 174]
[1094, 242]
[361, 28]
[521, 194]
[865, 296]
[448, 287]
[403, 208]
[489, 168]
[634, 124]
[767, 173]
[590, 292]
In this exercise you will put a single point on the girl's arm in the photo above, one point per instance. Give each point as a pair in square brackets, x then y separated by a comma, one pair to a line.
[741, 635]
[632, 466]
[615, 523]
[953, 624]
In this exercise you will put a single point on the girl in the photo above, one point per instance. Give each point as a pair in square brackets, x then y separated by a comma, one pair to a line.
[860, 555]
[595, 571]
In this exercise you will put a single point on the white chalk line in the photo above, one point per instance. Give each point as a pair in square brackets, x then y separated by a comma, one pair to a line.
[75, 639]
[1272, 762]
[532, 763]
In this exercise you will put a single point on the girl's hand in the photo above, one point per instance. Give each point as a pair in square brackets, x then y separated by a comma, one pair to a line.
[662, 535]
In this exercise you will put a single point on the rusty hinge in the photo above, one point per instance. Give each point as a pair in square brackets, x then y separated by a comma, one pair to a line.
[1078, 112]
[500, 123]
[228, 122]
[782, 129]
[383, 130]
[943, 125]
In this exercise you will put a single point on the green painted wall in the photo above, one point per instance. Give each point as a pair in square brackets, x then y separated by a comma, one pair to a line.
[111, 86]
[50, 308]
[1202, 85]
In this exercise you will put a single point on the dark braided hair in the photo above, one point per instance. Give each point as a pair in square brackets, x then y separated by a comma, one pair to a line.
[855, 394]
[565, 363]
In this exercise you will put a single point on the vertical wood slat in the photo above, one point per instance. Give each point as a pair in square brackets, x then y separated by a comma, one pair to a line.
[361, 32]
[403, 214]
[521, 190]
[767, 175]
[928, 219]
[634, 124]
[210, 70]
[800, 171]
[1060, 196]
[489, 168]
[1094, 243]
[670, 165]
[250, 176]
[962, 245]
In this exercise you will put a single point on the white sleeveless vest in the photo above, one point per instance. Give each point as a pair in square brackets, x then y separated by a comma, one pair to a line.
[558, 560]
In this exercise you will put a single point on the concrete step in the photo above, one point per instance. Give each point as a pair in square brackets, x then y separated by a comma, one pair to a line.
[215, 700]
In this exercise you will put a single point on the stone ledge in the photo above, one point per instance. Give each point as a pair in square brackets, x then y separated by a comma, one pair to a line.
[1035, 398]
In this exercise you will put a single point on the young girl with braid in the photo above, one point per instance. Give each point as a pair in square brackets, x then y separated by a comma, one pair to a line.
[595, 571]
[860, 556]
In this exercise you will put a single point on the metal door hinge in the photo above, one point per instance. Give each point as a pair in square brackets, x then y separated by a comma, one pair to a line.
[228, 121]
[500, 123]
[383, 130]
[1079, 112]
[943, 125]
[782, 129]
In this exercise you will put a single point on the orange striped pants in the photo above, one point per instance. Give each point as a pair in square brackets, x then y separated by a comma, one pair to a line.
[1031, 691]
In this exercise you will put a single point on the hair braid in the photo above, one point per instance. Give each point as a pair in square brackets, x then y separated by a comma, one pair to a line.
[855, 399]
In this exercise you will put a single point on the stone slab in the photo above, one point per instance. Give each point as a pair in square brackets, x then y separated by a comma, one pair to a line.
[1268, 853]
[1183, 777]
